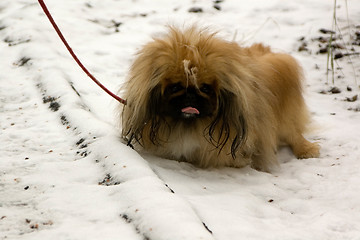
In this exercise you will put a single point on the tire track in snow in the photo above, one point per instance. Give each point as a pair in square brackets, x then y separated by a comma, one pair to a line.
[54, 105]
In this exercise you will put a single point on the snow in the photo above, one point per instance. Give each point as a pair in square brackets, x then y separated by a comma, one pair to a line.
[65, 174]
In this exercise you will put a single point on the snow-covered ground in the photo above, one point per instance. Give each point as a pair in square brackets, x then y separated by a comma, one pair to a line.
[64, 173]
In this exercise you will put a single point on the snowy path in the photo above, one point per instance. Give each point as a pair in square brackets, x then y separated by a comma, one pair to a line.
[64, 173]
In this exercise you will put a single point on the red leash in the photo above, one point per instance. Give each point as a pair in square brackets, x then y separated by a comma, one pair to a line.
[46, 11]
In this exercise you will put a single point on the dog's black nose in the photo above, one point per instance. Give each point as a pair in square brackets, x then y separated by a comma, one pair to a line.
[190, 99]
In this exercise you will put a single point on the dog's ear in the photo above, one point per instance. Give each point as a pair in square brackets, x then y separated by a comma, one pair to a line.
[145, 124]
[229, 123]
[153, 118]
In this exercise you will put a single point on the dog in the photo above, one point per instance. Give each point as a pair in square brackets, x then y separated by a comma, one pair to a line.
[194, 97]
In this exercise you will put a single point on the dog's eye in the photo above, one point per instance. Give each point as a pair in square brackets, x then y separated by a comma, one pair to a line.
[175, 88]
[206, 88]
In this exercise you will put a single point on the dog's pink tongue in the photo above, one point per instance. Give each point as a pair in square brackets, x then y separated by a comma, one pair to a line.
[190, 110]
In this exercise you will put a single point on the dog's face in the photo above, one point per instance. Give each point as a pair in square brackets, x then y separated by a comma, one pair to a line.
[187, 96]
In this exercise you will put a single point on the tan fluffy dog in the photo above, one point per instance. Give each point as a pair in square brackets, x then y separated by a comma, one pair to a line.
[197, 98]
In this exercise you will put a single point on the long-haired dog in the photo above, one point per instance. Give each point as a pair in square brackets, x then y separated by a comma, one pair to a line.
[194, 97]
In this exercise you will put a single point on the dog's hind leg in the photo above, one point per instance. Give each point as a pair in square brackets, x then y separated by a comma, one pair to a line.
[302, 148]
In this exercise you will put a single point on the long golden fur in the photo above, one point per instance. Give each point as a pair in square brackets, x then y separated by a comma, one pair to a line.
[250, 100]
